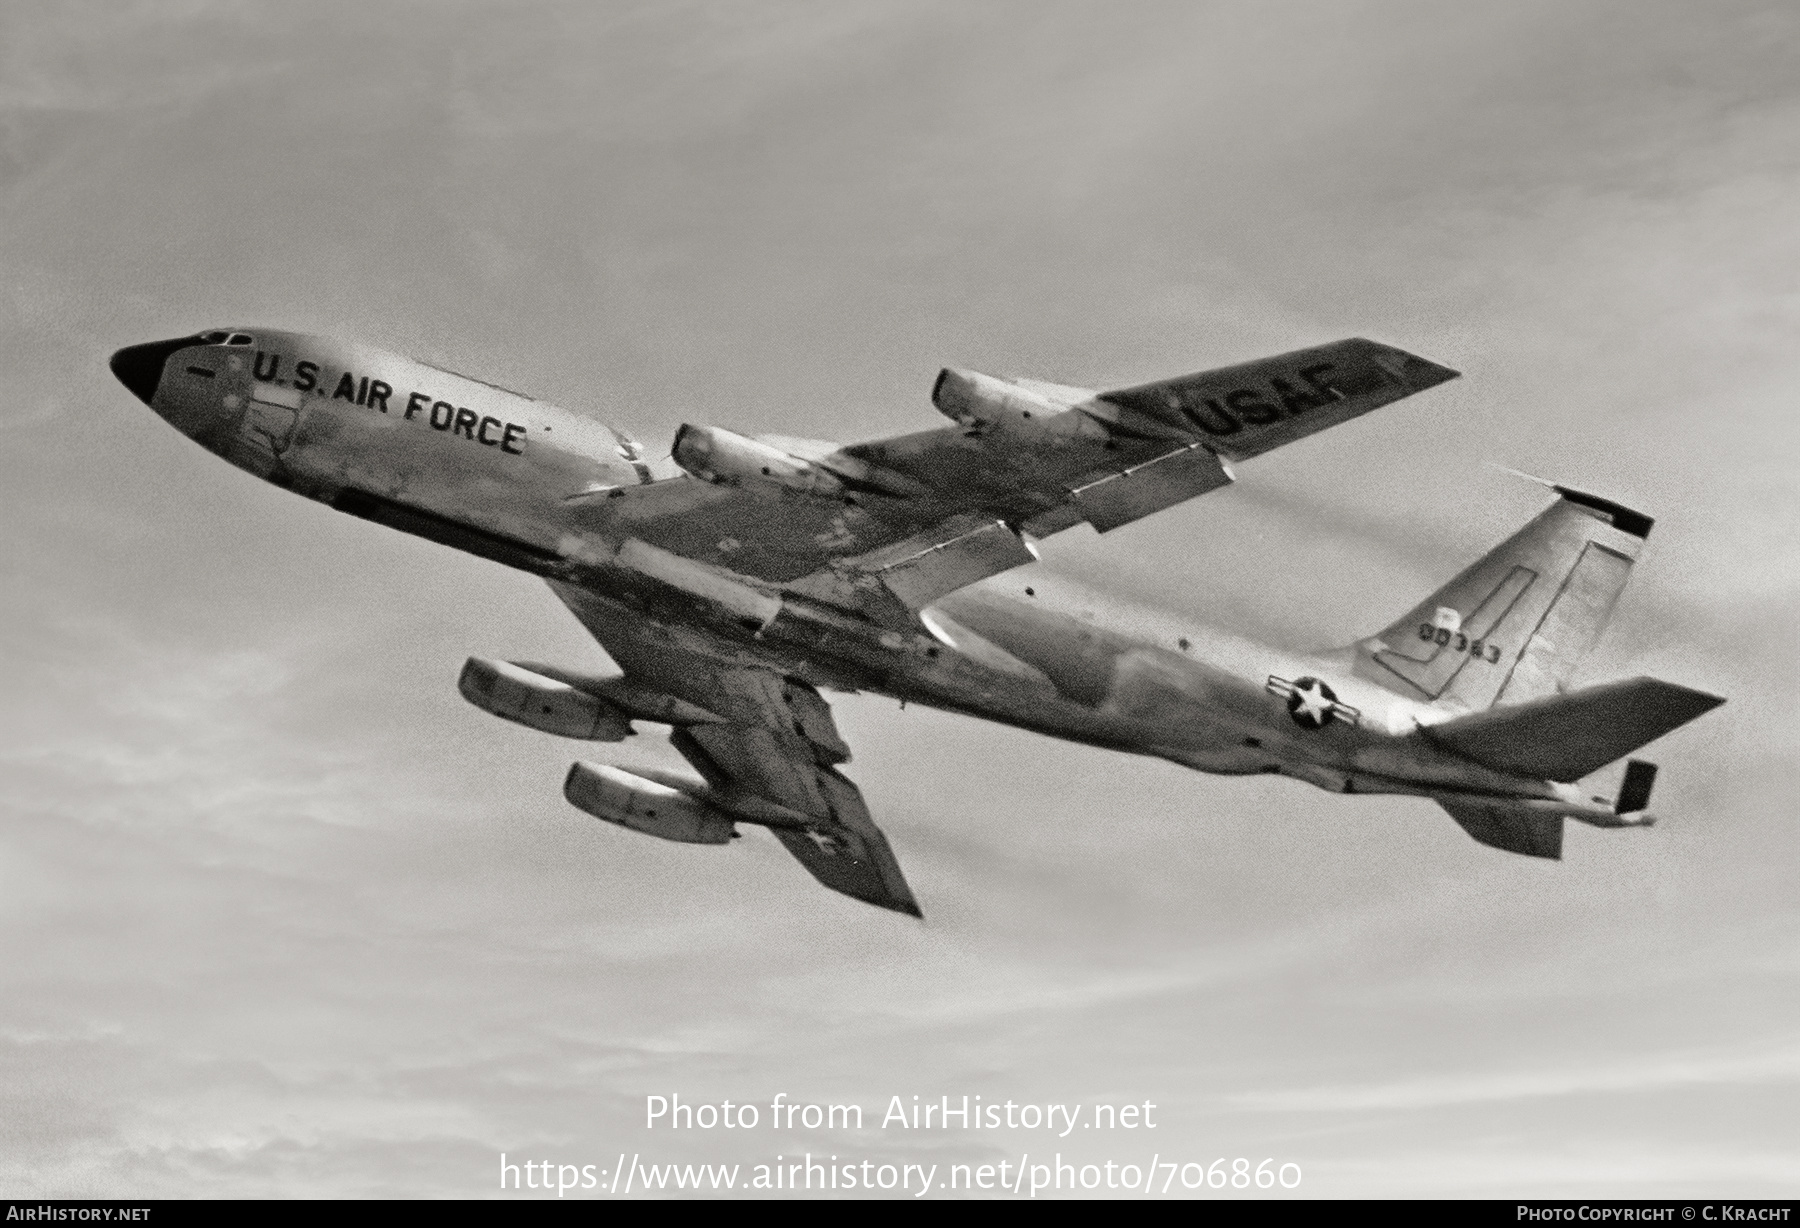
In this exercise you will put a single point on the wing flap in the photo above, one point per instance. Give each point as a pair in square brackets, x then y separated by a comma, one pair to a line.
[1150, 487]
[944, 567]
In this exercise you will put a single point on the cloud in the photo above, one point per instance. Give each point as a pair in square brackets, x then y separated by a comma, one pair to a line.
[287, 917]
[1644, 1073]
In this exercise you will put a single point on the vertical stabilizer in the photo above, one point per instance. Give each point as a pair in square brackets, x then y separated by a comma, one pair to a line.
[1513, 626]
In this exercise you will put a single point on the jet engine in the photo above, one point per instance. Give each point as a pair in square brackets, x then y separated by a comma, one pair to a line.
[645, 805]
[985, 403]
[714, 454]
[516, 694]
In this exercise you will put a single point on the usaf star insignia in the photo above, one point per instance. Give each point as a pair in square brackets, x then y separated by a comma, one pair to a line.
[1312, 703]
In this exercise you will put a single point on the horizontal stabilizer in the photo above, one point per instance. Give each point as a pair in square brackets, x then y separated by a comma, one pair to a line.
[1564, 737]
[1534, 835]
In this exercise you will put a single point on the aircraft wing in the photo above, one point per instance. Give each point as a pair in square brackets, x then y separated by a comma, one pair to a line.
[771, 759]
[916, 516]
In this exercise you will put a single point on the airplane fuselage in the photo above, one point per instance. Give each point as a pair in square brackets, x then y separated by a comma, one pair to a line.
[527, 484]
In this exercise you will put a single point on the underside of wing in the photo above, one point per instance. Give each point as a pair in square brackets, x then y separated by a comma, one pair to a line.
[767, 753]
[834, 837]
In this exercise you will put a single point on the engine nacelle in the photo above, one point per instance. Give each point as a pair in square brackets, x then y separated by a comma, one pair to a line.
[714, 454]
[649, 806]
[986, 403]
[518, 695]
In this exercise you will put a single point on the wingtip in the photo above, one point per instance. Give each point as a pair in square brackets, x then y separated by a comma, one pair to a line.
[1416, 373]
[901, 902]
[1422, 373]
[906, 907]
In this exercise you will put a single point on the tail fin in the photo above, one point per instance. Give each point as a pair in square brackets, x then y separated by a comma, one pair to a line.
[1513, 626]
[1564, 737]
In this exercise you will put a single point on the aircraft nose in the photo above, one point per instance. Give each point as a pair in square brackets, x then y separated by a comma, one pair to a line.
[140, 367]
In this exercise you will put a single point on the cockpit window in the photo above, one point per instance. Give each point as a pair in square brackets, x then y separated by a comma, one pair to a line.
[212, 338]
[241, 339]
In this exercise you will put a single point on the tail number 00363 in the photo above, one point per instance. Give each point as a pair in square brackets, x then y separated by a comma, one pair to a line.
[1456, 641]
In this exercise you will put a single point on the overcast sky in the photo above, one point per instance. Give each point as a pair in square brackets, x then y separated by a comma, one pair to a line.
[281, 914]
